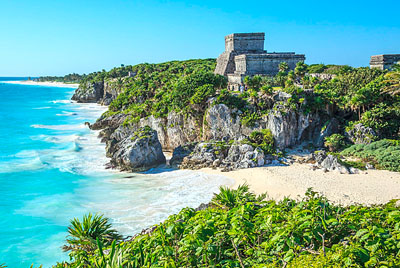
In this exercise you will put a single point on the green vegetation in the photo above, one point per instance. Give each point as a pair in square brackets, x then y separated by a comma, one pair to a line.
[83, 235]
[157, 89]
[384, 154]
[143, 133]
[334, 142]
[262, 139]
[69, 78]
[239, 229]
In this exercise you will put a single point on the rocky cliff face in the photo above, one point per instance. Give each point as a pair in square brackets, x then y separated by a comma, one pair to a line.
[288, 128]
[92, 92]
[219, 123]
[100, 92]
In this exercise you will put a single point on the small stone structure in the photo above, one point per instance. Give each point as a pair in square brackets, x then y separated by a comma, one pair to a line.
[244, 55]
[384, 62]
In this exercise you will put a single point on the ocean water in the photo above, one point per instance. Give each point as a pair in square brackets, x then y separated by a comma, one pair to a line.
[52, 170]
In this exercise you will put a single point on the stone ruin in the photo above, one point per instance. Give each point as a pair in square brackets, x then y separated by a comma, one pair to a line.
[244, 55]
[384, 62]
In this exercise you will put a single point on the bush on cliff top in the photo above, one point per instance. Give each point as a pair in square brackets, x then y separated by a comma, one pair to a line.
[158, 89]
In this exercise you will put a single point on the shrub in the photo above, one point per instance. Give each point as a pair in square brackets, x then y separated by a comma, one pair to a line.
[83, 234]
[383, 119]
[385, 154]
[316, 68]
[264, 140]
[230, 100]
[250, 119]
[334, 142]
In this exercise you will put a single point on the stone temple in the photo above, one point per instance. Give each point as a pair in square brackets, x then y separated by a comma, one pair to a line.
[244, 55]
[384, 62]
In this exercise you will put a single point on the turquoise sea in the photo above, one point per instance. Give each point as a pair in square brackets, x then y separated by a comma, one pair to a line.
[52, 169]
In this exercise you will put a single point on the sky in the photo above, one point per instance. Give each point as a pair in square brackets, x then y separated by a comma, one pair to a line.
[57, 37]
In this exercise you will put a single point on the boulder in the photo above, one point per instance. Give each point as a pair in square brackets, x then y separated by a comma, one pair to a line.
[135, 151]
[359, 134]
[223, 155]
[331, 163]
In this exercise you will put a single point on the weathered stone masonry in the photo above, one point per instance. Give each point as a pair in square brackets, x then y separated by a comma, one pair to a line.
[384, 62]
[244, 55]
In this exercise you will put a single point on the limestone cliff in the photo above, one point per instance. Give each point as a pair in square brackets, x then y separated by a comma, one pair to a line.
[219, 123]
[99, 92]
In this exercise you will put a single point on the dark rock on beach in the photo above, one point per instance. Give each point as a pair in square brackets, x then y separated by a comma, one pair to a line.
[138, 151]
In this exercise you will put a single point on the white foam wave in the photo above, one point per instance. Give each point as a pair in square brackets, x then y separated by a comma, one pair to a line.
[23, 161]
[61, 101]
[60, 127]
[56, 138]
[64, 113]
[41, 108]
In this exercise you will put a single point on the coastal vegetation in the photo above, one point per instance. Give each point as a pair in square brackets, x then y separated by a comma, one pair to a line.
[69, 78]
[364, 103]
[240, 229]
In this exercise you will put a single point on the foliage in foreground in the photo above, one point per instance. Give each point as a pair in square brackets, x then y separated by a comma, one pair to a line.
[240, 230]
[384, 154]
[83, 234]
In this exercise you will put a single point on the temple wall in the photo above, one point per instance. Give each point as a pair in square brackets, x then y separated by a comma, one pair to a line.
[384, 62]
[245, 42]
[265, 64]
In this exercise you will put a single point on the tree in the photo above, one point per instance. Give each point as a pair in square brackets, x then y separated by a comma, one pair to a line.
[253, 82]
[392, 79]
[83, 235]
[283, 67]
[280, 79]
[396, 67]
[301, 69]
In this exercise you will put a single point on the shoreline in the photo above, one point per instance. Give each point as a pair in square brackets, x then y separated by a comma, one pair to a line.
[367, 188]
[48, 84]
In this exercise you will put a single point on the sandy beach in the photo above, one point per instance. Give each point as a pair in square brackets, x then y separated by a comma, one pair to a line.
[49, 84]
[369, 187]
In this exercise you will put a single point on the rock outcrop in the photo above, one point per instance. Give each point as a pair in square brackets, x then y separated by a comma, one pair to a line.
[360, 134]
[91, 92]
[219, 154]
[329, 162]
[135, 150]
[99, 92]
[287, 128]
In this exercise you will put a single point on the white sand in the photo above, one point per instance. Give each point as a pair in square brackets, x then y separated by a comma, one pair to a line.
[34, 83]
[371, 187]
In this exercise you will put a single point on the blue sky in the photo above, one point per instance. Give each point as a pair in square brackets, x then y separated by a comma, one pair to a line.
[56, 37]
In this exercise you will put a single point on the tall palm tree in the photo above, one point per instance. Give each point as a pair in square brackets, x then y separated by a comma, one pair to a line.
[83, 235]
[392, 79]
